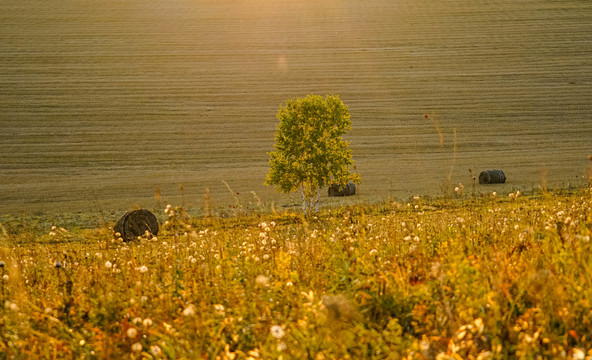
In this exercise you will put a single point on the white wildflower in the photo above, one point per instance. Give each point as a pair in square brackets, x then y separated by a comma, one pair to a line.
[132, 332]
[12, 306]
[189, 310]
[155, 349]
[219, 309]
[578, 354]
[277, 331]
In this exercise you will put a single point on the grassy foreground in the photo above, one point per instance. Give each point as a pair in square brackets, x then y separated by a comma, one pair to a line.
[493, 278]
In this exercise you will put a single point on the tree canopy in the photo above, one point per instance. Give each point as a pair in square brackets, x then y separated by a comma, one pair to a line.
[310, 151]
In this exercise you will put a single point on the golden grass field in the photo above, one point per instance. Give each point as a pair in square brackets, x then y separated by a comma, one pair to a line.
[102, 102]
[492, 278]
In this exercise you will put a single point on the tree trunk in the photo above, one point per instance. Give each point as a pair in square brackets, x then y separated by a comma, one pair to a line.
[303, 200]
[310, 200]
[317, 198]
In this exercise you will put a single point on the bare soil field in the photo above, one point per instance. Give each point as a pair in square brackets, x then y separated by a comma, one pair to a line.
[103, 102]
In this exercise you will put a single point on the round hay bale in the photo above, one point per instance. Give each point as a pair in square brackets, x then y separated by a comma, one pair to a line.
[135, 223]
[336, 190]
[333, 190]
[495, 176]
[350, 189]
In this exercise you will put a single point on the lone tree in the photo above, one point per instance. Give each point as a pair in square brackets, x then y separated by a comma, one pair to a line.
[310, 152]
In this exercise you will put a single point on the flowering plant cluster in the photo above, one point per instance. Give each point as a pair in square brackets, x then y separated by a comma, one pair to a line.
[495, 277]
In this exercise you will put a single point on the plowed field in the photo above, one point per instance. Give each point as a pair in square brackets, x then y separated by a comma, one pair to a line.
[102, 102]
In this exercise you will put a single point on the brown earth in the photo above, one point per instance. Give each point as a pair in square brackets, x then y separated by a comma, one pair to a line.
[104, 101]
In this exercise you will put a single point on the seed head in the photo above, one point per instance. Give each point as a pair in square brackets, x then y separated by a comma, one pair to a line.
[155, 349]
[189, 311]
[132, 332]
[219, 309]
[277, 331]
[578, 354]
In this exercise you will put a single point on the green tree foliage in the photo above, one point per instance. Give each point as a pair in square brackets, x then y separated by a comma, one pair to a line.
[310, 152]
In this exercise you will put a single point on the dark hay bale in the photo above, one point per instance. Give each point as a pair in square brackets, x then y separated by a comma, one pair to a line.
[492, 177]
[337, 190]
[135, 223]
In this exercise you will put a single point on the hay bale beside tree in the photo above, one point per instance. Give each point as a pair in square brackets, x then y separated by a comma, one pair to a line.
[336, 190]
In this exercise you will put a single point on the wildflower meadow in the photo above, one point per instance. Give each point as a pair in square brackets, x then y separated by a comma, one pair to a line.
[496, 276]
